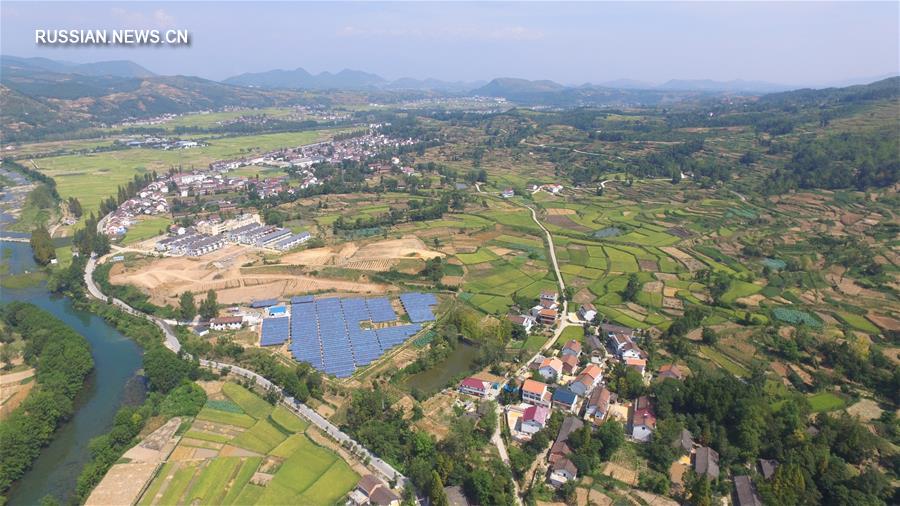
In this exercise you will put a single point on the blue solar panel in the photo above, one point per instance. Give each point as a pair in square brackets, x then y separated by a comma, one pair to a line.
[418, 306]
[326, 333]
[274, 331]
[381, 310]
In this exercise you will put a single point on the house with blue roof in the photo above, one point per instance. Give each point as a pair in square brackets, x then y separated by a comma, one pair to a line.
[564, 399]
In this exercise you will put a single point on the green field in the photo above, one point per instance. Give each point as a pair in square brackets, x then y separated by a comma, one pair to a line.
[301, 471]
[480, 256]
[146, 228]
[825, 401]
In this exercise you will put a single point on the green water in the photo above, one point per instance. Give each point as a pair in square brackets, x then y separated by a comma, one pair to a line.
[113, 383]
[460, 361]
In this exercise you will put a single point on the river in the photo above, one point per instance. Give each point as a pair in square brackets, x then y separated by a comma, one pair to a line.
[114, 382]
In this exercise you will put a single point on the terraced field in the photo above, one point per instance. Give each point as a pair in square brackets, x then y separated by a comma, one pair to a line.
[242, 450]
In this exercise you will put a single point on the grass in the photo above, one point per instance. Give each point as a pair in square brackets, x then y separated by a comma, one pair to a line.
[237, 419]
[331, 486]
[309, 473]
[241, 479]
[858, 322]
[178, 484]
[480, 256]
[146, 228]
[288, 420]
[825, 401]
[261, 438]
[724, 362]
[209, 487]
[207, 436]
[740, 289]
[572, 332]
[251, 403]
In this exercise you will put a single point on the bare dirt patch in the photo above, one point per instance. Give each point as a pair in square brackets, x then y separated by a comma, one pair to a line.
[559, 211]
[165, 279]
[648, 265]
[567, 223]
[866, 409]
[620, 473]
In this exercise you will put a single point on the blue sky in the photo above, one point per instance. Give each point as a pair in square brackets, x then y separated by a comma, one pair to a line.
[803, 43]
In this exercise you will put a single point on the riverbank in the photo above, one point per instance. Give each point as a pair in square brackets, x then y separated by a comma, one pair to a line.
[113, 383]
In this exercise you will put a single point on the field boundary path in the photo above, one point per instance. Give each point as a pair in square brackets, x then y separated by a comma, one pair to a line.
[295, 406]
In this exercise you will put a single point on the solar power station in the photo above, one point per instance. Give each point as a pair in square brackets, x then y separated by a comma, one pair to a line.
[274, 331]
[326, 333]
[418, 306]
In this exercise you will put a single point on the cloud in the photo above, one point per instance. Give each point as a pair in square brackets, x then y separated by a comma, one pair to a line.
[135, 19]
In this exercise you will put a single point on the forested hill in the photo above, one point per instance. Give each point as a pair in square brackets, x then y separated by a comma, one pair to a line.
[879, 90]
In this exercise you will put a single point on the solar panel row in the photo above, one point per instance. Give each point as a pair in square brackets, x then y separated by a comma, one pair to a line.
[418, 306]
[274, 331]
[326, 333]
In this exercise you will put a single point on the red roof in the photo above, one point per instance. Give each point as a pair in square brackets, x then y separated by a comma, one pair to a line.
[474, 384]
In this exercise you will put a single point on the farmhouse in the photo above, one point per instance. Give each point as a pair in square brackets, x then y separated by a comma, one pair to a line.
[572, 348]
[565, 399]
[706, 462]
[534, 419]
[587, 312]
[544, 315]
[371, 490]
[562, 471]
[638, 364]
[587, 380]
[473, 386]
[670, 371]
[551, 368]
[523, 320]
[226, 323]
[569, 364]
[508, 193]
[598, 404]
[643, 419]
[535, 392]
[745, 492]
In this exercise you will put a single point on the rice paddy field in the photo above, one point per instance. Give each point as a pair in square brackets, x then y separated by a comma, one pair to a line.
[241, 450]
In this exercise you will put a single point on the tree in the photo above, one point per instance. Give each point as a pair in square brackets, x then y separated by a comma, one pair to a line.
[42, 246]
[186, 307]
[436, 491]
[709, 336]
[209, 308]
[164, 369]
[632, 288]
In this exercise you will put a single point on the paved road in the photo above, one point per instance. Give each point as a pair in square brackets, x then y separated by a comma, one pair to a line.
[497, 439]
[297, 407]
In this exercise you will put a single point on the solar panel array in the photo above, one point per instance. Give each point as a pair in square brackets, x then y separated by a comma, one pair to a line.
[274, 331]
[381, 310]
[418, 306]
[326, 333]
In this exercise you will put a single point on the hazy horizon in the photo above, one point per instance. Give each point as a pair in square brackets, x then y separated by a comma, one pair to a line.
[794, 44]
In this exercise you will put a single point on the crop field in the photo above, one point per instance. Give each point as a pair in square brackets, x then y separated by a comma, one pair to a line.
[272, 461]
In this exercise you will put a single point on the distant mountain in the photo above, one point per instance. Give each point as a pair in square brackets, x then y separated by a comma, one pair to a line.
[35, 101]
[510, 86]
[884, 89]
[409, 83]
[627, 84]
[301, 79]
[737, 85]
[115, 68]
